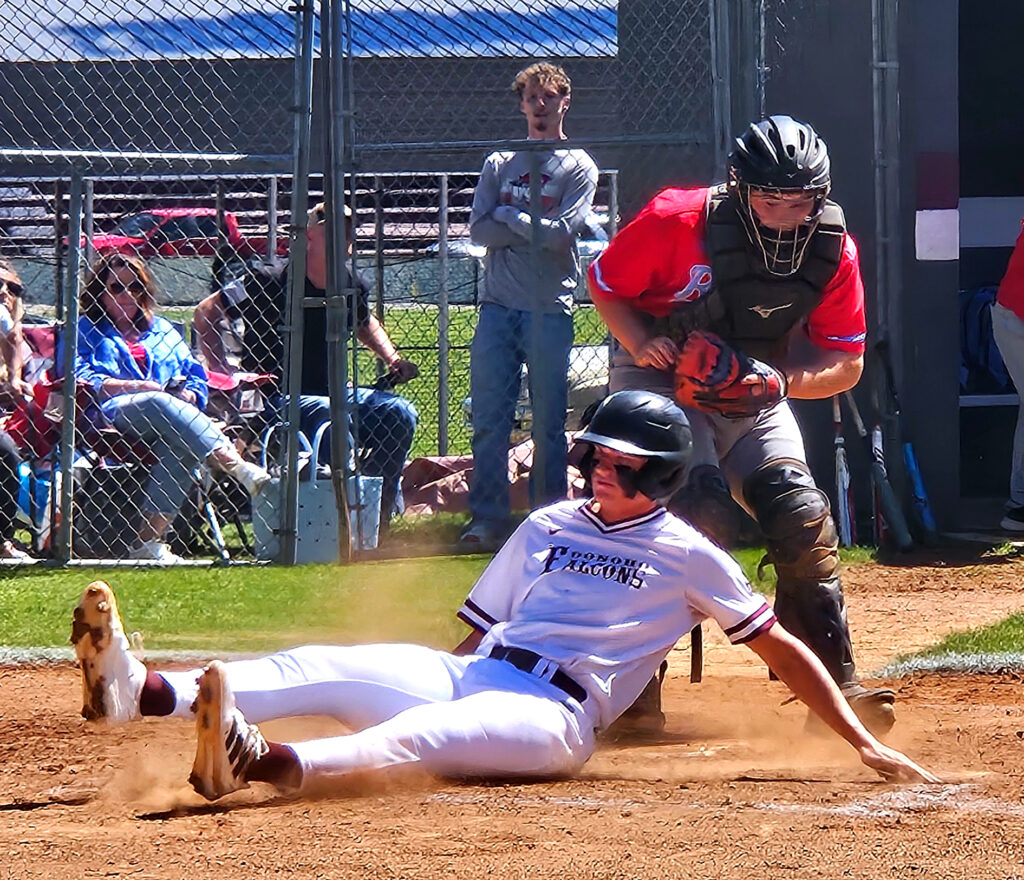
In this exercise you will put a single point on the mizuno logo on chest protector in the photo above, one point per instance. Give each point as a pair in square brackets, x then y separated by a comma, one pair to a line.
[765, 311]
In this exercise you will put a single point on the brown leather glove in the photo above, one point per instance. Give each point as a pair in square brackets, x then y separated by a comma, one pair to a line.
[712, 376]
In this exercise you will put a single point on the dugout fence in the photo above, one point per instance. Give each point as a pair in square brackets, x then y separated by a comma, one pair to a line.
[168, 110]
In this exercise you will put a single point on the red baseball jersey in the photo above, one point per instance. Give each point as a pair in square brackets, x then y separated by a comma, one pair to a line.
[659, 260]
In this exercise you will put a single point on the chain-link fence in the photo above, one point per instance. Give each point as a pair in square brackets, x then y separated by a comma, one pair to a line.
[175, 133]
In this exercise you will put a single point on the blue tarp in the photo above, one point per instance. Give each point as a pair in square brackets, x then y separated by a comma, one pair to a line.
[387, 30]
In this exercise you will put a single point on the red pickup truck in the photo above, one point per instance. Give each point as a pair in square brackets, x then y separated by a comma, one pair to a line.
[178, 232]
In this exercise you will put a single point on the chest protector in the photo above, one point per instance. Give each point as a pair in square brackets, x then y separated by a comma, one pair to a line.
[748, 306]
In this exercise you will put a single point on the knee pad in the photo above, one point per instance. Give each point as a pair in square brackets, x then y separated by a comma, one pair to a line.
[796, 519]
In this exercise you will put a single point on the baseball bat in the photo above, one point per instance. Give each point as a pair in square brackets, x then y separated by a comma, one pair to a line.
[918, 495]
[882, 535]
[879, 525]
[887, 501]
[844, 497]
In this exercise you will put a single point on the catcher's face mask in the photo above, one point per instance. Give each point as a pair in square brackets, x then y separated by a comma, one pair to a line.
[780, 223]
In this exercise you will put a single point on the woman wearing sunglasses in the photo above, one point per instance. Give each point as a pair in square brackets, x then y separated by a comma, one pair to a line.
[151, 388]
[11, 311]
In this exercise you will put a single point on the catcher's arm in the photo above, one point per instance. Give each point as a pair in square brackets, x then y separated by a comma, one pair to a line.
[629, 327]
[814, 372]
[795, 665]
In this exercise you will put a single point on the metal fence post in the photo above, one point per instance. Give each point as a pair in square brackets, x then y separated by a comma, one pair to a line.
[442, 320]
[721, 82]
[70, 335]
[271, 219]
[90, 251]
[297, 277]
[539, 393]
[332, 19]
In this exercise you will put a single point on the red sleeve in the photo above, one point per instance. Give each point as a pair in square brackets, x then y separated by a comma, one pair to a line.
[644, 256]
[837, 322]
[635, 257]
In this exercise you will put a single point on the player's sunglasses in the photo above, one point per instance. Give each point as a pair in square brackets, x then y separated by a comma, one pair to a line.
[116, 288]
[14, 288]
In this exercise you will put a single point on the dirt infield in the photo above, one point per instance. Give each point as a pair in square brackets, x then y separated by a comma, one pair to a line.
[735, 790]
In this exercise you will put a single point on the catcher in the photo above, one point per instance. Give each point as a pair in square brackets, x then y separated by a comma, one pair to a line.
[733, 298]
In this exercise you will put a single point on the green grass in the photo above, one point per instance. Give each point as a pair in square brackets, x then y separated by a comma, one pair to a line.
[253, 609]
[1007, 636]
[263, 608]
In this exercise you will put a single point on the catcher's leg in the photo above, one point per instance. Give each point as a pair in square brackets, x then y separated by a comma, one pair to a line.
[706, 502]
[795, 517]
[644, 717]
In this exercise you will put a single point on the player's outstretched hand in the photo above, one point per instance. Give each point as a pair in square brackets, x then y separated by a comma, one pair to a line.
[660, 352]
[894, 766]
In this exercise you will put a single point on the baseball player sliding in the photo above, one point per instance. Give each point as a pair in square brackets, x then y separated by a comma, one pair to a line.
[733, 298]
[569, 622]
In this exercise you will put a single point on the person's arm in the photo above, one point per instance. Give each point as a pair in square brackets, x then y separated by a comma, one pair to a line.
[558, 233]
[798, 668]
[207, 320]
[814, 373]
[627, 325]
[195, 389]
[484, 229]
[10, 352]
[826, 356]
[373, 335]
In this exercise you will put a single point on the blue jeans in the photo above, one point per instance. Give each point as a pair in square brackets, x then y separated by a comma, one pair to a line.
[386, 424]
[179, 436]
[502, 343]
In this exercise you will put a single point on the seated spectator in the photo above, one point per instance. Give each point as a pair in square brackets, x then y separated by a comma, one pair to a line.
[151, 388]
[250, 299]
[11, 310]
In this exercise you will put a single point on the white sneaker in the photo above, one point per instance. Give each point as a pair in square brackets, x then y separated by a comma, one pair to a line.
[226, 744]
[154, 551]
[112, 677]
[8, 550]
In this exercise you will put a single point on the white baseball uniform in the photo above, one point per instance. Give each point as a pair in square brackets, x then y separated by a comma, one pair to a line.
[585, 613]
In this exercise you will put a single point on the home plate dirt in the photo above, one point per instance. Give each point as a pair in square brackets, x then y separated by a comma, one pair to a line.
[736, 788]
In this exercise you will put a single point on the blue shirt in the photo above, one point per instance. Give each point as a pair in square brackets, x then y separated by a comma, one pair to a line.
[104, 354]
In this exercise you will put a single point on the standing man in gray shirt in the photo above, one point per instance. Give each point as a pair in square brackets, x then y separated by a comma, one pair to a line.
[530, 276]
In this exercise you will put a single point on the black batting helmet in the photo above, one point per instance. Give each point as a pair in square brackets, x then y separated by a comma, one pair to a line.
[780, 155]
[640, 423]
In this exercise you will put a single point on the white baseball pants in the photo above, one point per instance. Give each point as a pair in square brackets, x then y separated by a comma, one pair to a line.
[453, 715]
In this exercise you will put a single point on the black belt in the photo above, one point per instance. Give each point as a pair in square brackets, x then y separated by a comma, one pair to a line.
[528, 661]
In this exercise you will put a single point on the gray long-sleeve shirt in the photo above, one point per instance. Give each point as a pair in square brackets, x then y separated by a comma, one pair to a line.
[513, 276]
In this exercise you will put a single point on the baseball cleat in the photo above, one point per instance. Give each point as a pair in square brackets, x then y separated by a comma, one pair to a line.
[226, 744]
[112, 677]
[873, 706]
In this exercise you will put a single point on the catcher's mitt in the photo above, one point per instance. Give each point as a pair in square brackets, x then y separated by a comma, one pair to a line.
[713, 377]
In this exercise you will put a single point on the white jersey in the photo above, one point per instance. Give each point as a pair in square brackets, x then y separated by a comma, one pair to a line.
[607, 603]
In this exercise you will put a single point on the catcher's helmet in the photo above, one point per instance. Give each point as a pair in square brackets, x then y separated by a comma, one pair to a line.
[640, 423]
[780, 155]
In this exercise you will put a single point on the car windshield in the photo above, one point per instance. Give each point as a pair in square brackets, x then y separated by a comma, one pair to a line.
[137, 226]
